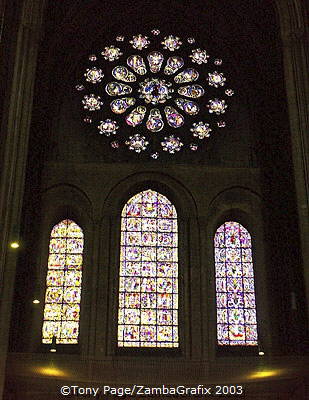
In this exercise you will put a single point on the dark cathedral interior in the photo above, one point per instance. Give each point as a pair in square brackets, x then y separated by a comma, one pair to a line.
[252, 173]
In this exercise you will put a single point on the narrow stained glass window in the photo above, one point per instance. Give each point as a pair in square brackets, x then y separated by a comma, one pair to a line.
[148, 281]
[236, 310]
[63, 284]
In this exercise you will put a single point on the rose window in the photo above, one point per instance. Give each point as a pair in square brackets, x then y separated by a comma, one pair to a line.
[155, 95]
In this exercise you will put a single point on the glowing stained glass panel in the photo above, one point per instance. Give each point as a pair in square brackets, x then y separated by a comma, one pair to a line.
[148, 281]
[236, 309]
[63, 284]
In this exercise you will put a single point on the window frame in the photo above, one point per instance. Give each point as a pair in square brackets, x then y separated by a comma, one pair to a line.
[236, 203]
[230, 346]
[124, 245]
[113, 213]
[48, 269]
[63, 202]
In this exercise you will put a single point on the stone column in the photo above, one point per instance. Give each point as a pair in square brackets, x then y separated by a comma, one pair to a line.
[15, 131]
[294, 32]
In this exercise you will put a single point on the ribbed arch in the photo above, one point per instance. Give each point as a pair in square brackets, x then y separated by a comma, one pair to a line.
[63, 284]
[148, 274]
[235, 292]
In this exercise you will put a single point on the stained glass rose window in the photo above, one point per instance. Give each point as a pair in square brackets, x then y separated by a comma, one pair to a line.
[155, 94]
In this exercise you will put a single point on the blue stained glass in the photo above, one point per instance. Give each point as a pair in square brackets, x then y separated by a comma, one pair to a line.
[63, 284]
[236, 307]
[148, 286]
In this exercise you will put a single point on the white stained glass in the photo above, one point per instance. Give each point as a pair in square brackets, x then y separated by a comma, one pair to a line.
[148, 282]
[236, 309]
[63, 284]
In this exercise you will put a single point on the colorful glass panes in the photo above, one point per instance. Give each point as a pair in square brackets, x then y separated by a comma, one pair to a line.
[123, 74]
[216, 106]
[188, 75]
[215, 79]
[137, 143]
[229, 92]
[117, 89]
[155, 91]
[155, 60]
[92, 102]
[155, 32]
[171, 43]
[174, 119]
[136, 116]
[200, 130]
[94, 75]
[236, 309]
[193, 91]
[193, 146]
[63, 284]
[199, 56]
[171, 144]
[221, 124]
[148, 279]
[158, 82]
[140, 42]
[173, 64]
[155, 122]
[111, 53]
[108, 127]
[119, 106]
[137, 64]
[188, 106]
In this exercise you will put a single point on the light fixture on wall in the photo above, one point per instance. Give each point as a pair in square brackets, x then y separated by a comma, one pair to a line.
[163, 86]
[15, 239]
[53, 348]
[36, 293]
[261, 349]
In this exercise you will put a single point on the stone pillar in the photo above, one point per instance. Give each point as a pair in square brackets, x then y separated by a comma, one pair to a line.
[295, 45]
[15, 133]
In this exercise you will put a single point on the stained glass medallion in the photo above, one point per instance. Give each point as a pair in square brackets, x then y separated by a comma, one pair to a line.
[236, 307]
[148, 278]
[152, 87]
[63, 284]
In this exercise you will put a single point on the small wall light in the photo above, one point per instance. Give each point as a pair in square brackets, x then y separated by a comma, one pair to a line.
[53, 346]
[36, 301]
[14, 245]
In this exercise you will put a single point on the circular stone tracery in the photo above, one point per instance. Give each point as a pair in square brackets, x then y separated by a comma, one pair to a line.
[183, 95]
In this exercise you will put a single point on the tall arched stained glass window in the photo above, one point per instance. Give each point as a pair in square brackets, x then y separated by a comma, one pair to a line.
[63, 284]
[148, 281]
[236, 310]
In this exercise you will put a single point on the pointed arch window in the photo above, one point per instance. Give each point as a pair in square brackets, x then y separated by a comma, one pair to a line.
[63, 284]
[148, 278]
[236, 308]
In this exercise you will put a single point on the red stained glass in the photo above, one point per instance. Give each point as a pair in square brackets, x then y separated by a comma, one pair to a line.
[236, 309]
[148, 289]
[63, 284]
